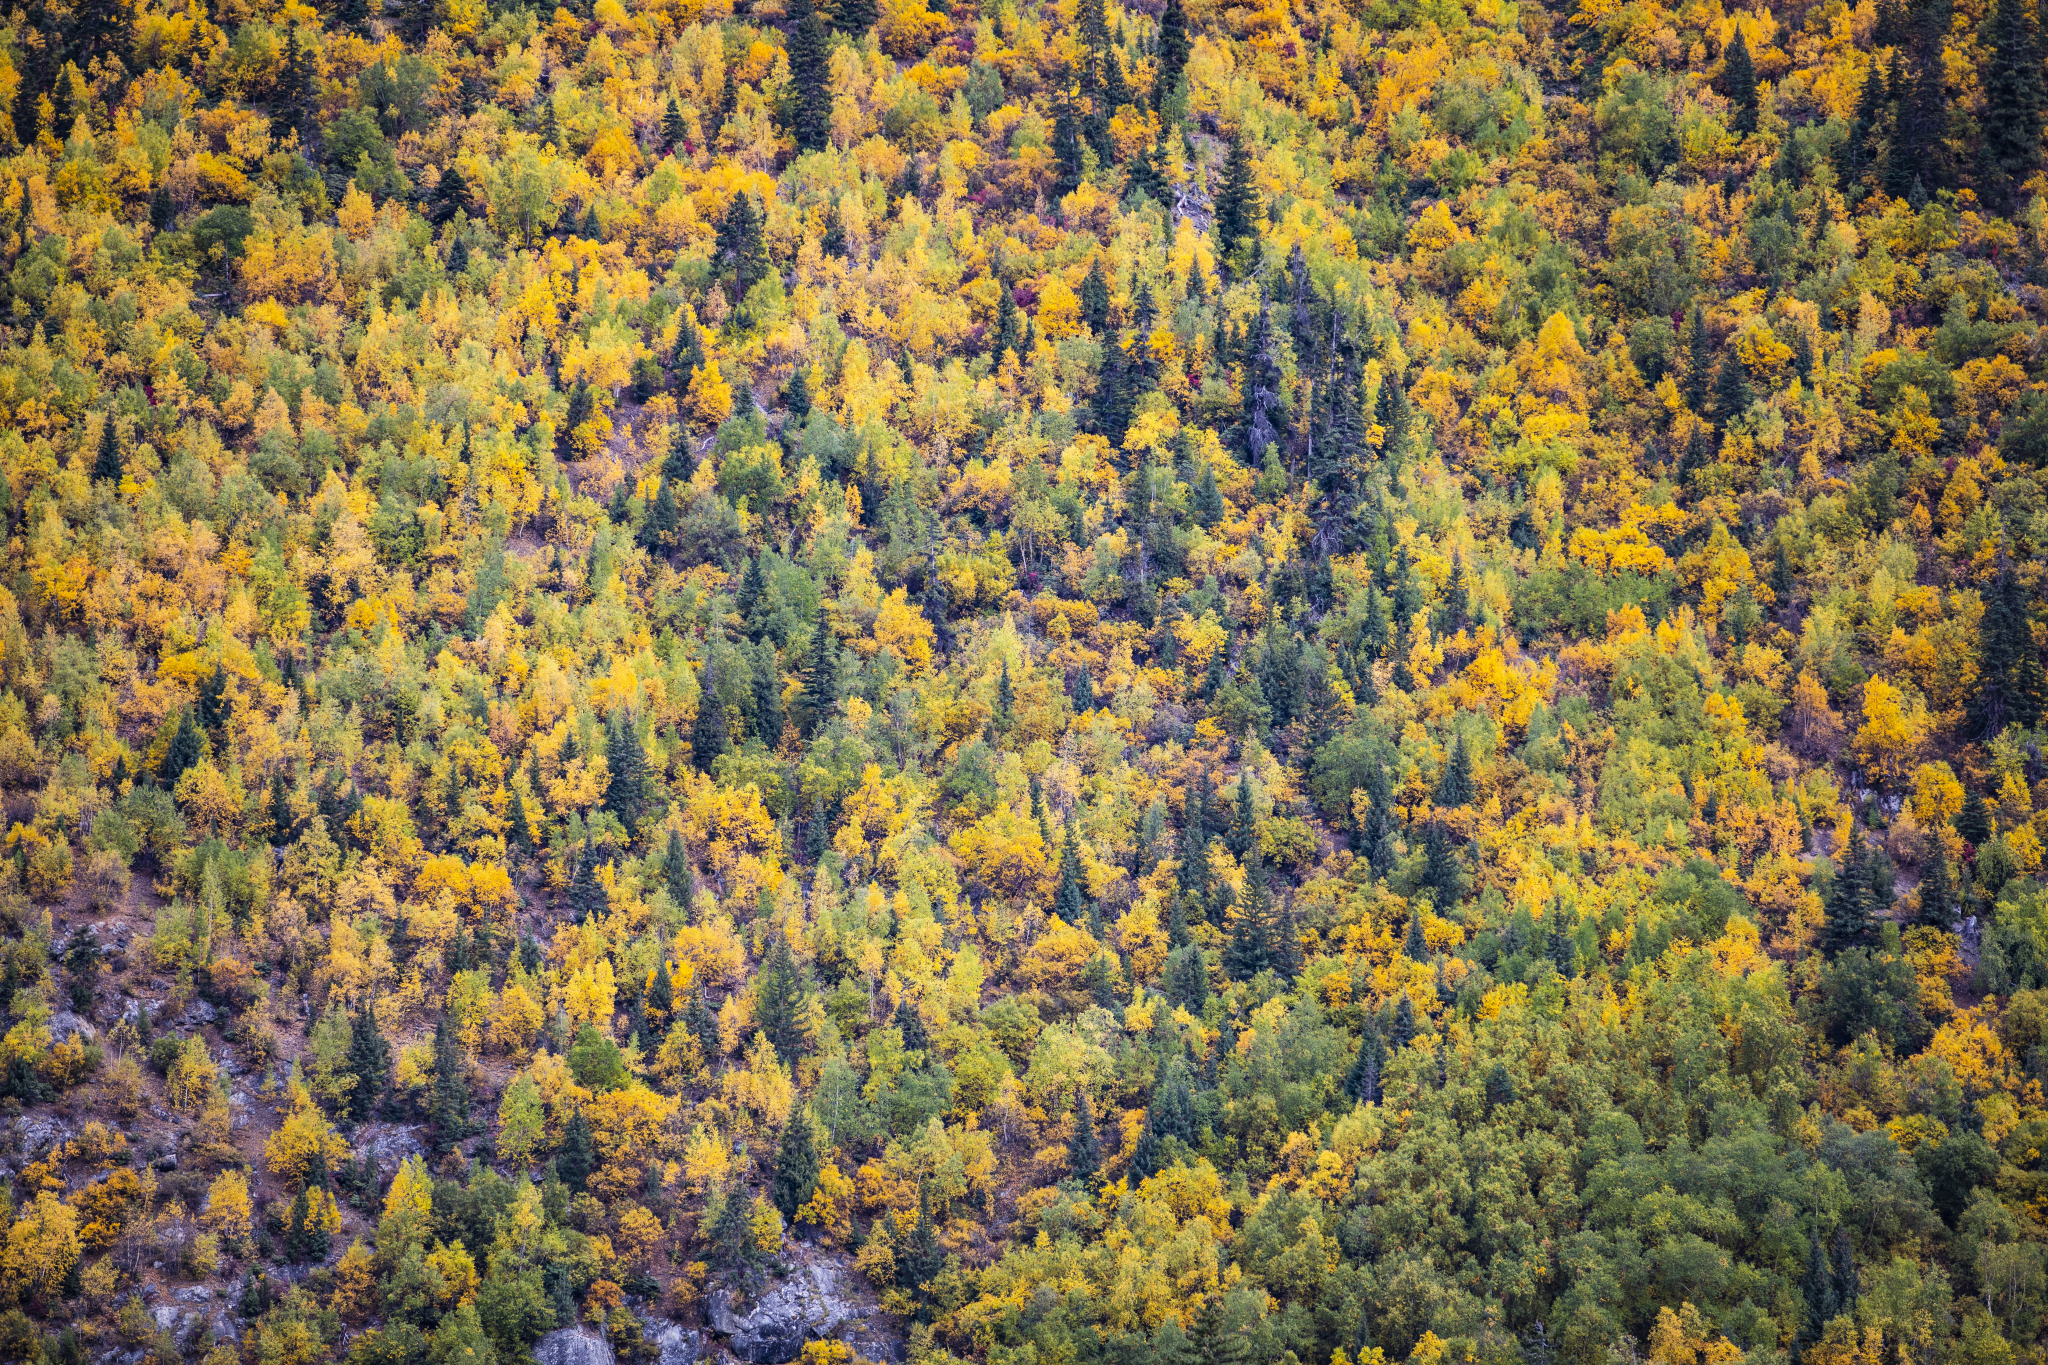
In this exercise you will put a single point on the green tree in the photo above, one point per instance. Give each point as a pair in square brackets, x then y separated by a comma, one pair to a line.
[810, 75]
[448, 1107]
[796, 1165]
[1239, 206]
[186, 749]
[625, 792]
[1084, 1148]
[2014, 101]
[779, 1001]
[709, 733]
[107, 465]
[821, 676]
[369, 1061]
[1738, 83]
[575, 1160]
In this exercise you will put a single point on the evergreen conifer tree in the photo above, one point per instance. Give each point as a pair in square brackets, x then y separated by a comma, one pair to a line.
[810, 73]
[1070, 901]
[1239, 206]
[1095, 298]
[1454, 787]
[710, 735]
[1973, 821]
[2010, 685]
[821, 676]
[187, 747]
[1849, 899]
[1243, 820]
[1173, 53]
[448, 1109]
[732, 1232]
[673, 129]
[576, 1157]
[657, 534]
[1084, 1148]
[779, 1001]
[106, 465]
[796, 1165]
[2013, 101]
[369, 1061]
[1738, 83]
[625, 792]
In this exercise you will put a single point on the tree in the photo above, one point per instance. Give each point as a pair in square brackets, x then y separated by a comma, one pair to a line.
[796, 1165]
[709, 734]
[1084, 1148]
[2011, 689]
[448, 1110]
[1738, 83]
[107, 465]
[1363, 1082]
[675, 870]
[1243, 836]
[1250, 949]
[1070, 902]
[673, 129]
[1185, 981]
[740, 241]
[821, 675]
[1174, 50]
[1066, 146]
[625, 792]
[574, 1160]
[1852, 896]
[2014, 101]
[1239, 206]
[1095, 298]
[1454, 787]
[588, 897]
[1973, 821]
[369, 1062]
[186, 749]
[657, 534]
[1937, 888]
[731, 1233]
[779, 1001]
[811, 75]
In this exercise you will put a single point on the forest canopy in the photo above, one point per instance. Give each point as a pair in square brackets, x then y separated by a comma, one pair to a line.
[1314, 682]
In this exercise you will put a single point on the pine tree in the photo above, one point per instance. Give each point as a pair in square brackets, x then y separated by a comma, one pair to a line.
[369, 1061]
[588, 898]
[1185, 980]
[710, 736]
[657, 534]
[821, 676]
[625, 792]
[1208, 504]
[673, 129]
[1442, 875]
[1403, 1031]
[1263, 384]
[1239, 206]
[1174, 49]
[1006, 692]
[107, 466]
[796, 1165]
[675, 869]
[740, 241]
[1066, 147]
[1009, 332]
[1849, 899]
[1095, 298]
[1563, 951]
[1243, 820]
[731, 1234]
[1937, 888]
[1084, 1148]
[1250, 949]
[187, 747]
[1454, 787]
[779, 1001]
[1853, 157]
[575, 1159]
[811, 74]
[920, 1259]
[448, 1110]
[1738, 83]
[2010, 685]
[855, 17]
[1070, 902]
[1367, 1066]
[2013, 101]
[1973, 821]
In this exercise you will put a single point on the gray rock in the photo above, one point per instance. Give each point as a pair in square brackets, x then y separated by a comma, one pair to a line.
[678, 1344]
[390, 1143]
[199, 1013]
[573, 1346]
[809, 1305]
[40, 1132]
[193, 1293]
[64, 1026]
[167, 1316]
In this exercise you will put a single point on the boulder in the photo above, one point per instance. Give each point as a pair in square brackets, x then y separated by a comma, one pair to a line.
[64, 1026]
[809, 1305]
[678, 1344]
[573, 1346]
[199, 1013]
[38, 1133]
